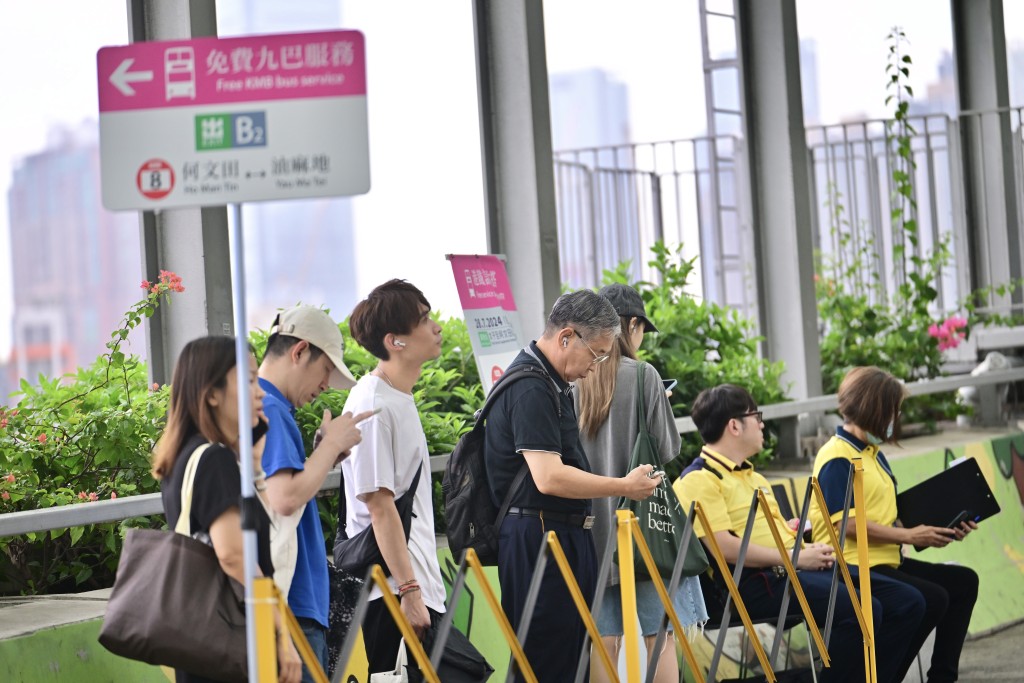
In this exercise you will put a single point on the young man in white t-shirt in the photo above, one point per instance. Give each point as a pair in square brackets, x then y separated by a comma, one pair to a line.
[393, 323]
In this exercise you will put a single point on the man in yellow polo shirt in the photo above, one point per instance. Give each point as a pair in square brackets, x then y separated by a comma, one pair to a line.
[724, 482]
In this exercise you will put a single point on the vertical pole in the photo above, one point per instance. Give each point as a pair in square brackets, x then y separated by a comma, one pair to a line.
[627, 586]
[864, 566]
[244, 432]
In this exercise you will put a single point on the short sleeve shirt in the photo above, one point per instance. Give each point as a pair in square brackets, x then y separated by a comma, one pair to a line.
[832, 468]
[284, 450]
[217, 488]
[524, 418]
[725, 491]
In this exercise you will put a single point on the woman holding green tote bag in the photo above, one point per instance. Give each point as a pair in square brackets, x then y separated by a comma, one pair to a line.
[607, 403]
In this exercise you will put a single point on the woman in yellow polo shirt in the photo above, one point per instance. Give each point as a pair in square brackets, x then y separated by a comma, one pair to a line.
[869, 402]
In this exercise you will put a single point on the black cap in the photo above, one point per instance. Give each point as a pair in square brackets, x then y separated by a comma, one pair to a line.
[628, 303]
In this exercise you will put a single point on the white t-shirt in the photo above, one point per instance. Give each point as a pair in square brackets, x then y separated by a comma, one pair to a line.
[392, 450]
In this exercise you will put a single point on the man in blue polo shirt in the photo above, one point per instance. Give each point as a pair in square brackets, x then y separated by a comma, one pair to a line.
[303, 358]
[525, 426]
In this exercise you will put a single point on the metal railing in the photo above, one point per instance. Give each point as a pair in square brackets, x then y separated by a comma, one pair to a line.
[66, 516]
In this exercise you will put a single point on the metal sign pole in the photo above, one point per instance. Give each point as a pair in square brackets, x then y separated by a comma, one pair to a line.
[249, 501]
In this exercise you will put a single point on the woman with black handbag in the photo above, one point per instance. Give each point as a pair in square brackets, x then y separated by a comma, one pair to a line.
[199, 450]
[606, 402]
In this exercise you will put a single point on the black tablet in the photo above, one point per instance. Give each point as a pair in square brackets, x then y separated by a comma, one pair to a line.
[955, 495]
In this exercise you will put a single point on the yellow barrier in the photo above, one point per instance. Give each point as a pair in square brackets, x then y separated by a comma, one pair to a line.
[794, 582]
[267, 596]
[861, 520]
[627, 589]
[581, 604]
[723, 567]
[625, 517]
[473, 561]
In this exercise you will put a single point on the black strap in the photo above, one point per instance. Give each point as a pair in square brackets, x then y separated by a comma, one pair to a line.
[343, 506]
[513, 375]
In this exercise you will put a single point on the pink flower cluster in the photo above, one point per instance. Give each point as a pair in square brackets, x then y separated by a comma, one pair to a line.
[169, 281]
[91, 496]
[949, 333]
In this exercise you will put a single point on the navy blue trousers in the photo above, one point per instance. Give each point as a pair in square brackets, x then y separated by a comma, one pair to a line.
[555, 638]
[897, 610]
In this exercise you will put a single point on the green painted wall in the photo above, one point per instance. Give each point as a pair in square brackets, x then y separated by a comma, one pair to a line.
[69, 653]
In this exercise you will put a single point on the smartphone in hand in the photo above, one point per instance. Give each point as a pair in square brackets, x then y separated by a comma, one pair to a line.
[670, 384]
[259, 431]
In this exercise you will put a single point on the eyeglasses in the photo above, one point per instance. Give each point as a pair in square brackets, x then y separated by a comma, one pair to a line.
[759, 414]
[597, 359]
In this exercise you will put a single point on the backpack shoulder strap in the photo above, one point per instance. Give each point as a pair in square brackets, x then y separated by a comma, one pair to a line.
[515, 374]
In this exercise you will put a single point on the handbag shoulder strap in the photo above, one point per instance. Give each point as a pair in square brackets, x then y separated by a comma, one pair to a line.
[641, 408]
[184, 525]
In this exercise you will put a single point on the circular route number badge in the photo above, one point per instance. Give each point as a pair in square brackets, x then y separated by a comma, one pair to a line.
[155, 179]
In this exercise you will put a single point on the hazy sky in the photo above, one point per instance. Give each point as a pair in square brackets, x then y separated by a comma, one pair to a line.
[426, 199]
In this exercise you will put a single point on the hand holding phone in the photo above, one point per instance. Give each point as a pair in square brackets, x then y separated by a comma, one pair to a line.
[670, 384]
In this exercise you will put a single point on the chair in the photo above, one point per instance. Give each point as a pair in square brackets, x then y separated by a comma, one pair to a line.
[715, 595]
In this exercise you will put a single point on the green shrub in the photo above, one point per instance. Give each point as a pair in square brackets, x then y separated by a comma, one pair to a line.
[700, 344]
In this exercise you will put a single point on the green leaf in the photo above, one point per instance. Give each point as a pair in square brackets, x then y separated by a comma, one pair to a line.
[76, 534]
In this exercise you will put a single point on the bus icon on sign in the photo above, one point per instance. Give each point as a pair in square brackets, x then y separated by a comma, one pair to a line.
[180, 72]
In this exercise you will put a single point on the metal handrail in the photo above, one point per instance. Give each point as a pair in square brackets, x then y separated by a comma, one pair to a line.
[98, 512]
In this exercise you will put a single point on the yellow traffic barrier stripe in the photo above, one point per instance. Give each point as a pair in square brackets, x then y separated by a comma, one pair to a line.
[723, 567]
[861, 520]
[265, 598]
[581, 605]
[794, 582]
[473, 561]
[627, 591]
[412, 641]
[659, 585]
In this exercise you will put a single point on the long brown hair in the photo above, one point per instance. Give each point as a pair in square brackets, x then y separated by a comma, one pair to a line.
[203, 366]
[597, 389]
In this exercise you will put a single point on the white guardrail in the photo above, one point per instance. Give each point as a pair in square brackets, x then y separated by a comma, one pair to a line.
[98, 512]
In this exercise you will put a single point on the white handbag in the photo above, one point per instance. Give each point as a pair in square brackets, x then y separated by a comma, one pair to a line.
[399, 675]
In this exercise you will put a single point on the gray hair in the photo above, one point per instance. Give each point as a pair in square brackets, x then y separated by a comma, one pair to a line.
[587, 312]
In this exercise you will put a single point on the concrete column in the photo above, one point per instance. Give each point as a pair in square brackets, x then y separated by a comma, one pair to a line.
[780, 189]
[515, 129]
[191, 242]
[993, 220]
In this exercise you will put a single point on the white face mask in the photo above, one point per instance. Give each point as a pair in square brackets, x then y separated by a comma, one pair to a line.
[875, 441]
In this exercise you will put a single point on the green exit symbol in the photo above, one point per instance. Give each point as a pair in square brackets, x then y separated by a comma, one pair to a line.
[485, 339]
[213, 132]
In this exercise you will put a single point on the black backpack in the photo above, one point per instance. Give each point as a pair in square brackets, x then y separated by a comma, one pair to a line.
[473, 520]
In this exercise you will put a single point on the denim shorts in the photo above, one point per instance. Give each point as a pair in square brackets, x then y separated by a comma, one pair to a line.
[648, 607]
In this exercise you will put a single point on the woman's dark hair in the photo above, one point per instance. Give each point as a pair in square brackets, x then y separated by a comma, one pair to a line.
[391, 308]
[714, 407]
[203, 366]
[870, 398]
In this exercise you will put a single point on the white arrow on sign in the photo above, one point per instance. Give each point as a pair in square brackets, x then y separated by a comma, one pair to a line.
[122, 77]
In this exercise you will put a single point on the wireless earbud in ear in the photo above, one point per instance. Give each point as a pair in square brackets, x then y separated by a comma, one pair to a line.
[399, 344]
[565, 342]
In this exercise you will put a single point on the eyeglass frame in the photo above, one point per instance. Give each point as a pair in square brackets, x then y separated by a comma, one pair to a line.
[759, 414]
[597, 359]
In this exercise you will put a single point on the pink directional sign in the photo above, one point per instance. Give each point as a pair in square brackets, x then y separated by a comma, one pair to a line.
[213, 121]
[491, 316]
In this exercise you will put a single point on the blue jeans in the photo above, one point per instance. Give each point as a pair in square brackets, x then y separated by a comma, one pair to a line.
[317, 637]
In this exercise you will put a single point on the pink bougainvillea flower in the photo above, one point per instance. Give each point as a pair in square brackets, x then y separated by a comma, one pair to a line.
[933, 330]
[146, 284]
[81, 495]
[113, 494]
[5, 495]
[41, 438]
[3, 422]
[10, 478]
[94, 496]
[156, 386]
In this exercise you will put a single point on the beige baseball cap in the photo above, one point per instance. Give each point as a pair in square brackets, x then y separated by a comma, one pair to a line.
[313, 325]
